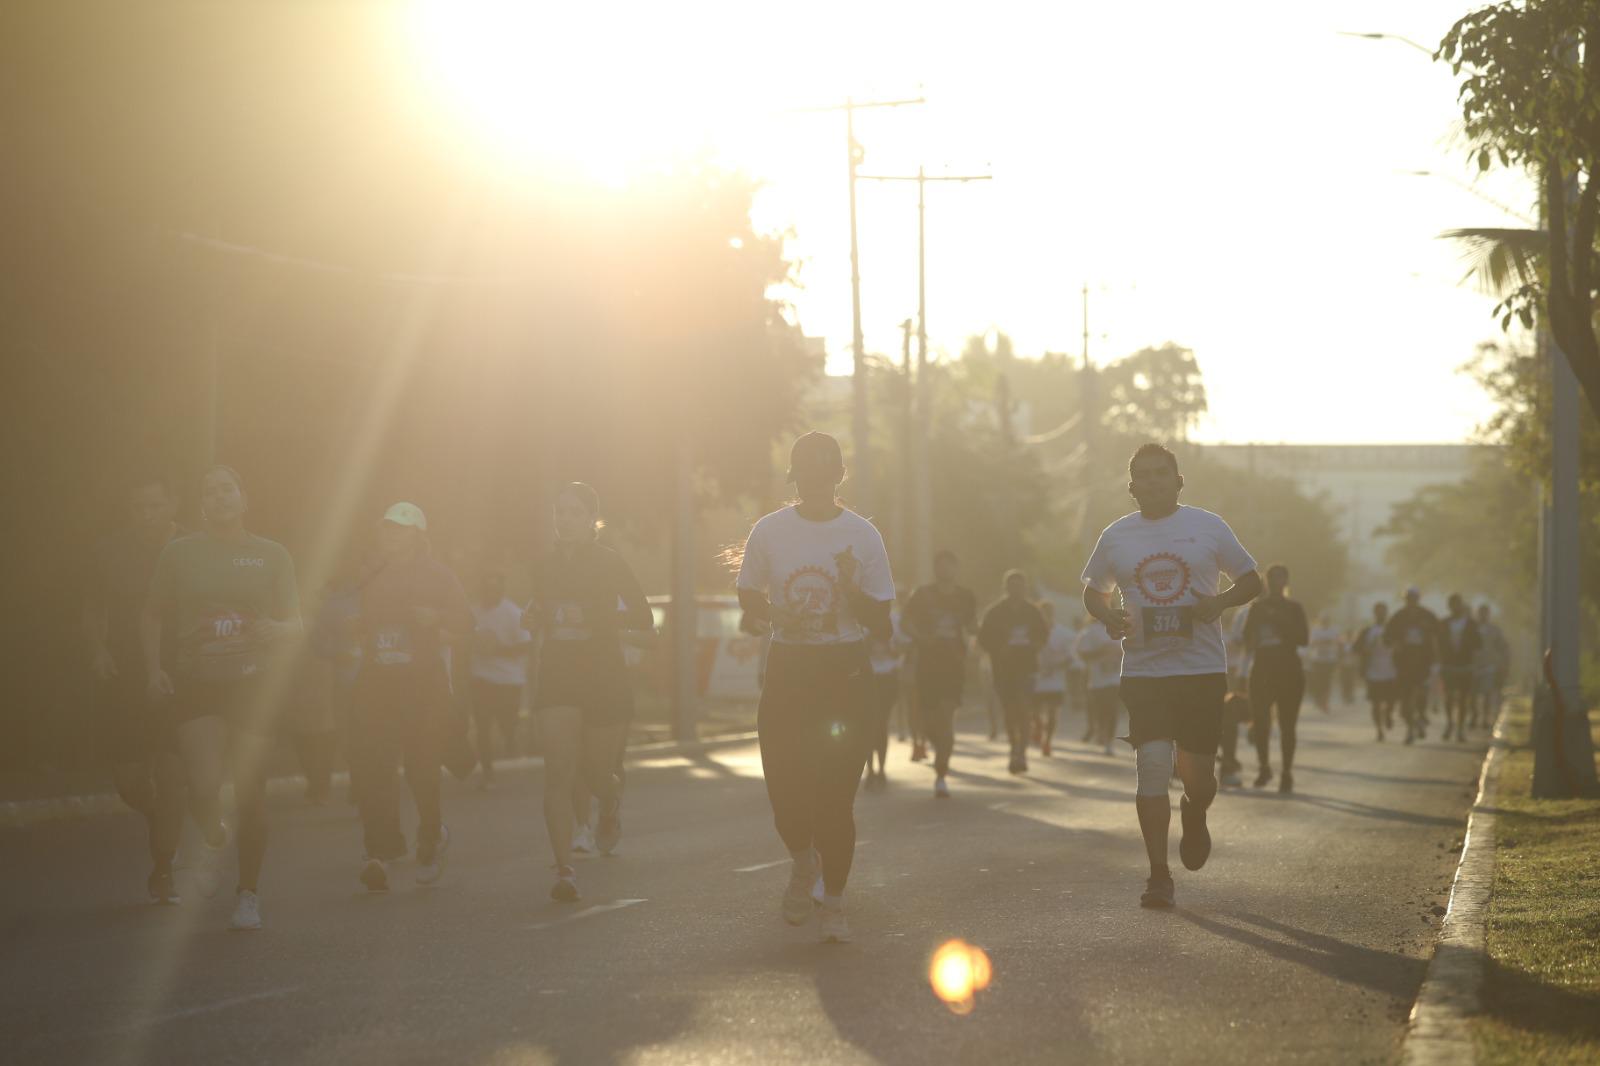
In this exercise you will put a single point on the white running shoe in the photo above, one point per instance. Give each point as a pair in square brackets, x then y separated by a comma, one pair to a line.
[208, 866]
[940, 789]
[583, 839]
[428, 873]
[801, 896]
[1110, 748]
[832, 926]
[246, 912]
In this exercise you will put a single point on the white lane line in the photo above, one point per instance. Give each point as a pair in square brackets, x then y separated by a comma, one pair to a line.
[999, 806]
[779, 862]
[600, 908]
[133, 1025]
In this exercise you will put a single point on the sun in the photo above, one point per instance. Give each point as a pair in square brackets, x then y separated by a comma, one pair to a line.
[601, 89]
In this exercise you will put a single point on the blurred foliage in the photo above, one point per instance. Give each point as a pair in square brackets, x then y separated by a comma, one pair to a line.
[390, 315]
[1530, 99]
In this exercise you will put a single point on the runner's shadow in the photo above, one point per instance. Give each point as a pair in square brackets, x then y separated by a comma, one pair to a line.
[1397, 976]
[1343, 806]
[1389, 779]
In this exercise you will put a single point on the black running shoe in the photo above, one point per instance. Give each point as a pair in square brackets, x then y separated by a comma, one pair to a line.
[1159, 894]
[1286, 782]
[1263, 777]
[1195, 846]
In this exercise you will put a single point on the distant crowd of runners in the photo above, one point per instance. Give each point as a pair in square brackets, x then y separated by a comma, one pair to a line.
[197, 638]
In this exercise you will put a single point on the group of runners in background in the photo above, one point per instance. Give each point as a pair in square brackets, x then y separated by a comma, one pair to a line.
[197, 639]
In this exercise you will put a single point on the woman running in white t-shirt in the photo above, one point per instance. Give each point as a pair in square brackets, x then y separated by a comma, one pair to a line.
[818, 574]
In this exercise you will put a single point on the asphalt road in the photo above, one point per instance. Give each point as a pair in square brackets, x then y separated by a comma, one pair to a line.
[1303, 940]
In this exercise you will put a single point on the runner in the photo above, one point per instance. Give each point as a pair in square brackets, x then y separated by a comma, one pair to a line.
[1326, 647]
[136, 739]
[1459, 643]
[1236, 708]
[1012, 632]
[1077, 701]
[582, 694]
[1050, 684]
[939, 620]
[1494, 662]
[412, 606]
[885, 656]
[1378, 670]
[1166, 559]
[1412, 633]
[1102, 660]
[819, 575]
[234, 603]
[1274, 633]
[499, 670]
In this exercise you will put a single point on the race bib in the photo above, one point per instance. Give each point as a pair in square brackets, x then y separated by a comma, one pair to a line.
[391, 646]
[1269, 637]
[567, 622]
[223, 646]
[1168, 622]
[1019, 637]
[948, 627]
[1414, 637]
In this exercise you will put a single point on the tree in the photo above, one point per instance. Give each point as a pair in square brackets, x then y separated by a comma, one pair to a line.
[1530, 98]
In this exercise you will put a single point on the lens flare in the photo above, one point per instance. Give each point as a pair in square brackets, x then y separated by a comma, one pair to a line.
[958, 972]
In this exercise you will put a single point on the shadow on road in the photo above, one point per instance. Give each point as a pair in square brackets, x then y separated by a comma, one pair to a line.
[1397, 976]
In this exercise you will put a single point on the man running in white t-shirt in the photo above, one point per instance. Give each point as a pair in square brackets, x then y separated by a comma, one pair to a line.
[1166, 560]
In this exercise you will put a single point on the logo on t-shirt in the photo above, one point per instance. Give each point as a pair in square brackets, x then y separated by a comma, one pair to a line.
[811, 591]
[1162, 578]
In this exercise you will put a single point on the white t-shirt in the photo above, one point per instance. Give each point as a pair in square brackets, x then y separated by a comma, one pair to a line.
[796, 562]
[1324, 644]
[1100, 656]
[1160, 565]
[1054, 659]
[1380, 657]
[504, 620]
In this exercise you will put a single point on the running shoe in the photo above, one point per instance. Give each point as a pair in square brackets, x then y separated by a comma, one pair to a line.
[163, 890]
[375, 875]
[1159, 894]
[941, 790]
[1044, 748]
[831, 924]
[1231, 779]
[1194, 847]
[247, 911]
[1286, 782]
[919, 752]
[609, 833]
[1264, 777]
[583, 839]
[798, 901]
[430, 861]
[565, 890]
[208, 868]
[1110, 748]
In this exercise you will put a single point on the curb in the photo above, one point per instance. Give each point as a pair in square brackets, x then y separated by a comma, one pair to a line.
[1440, 1032]
[22, 814]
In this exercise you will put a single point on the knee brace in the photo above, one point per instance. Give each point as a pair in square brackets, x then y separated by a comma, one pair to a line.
[1153, 763]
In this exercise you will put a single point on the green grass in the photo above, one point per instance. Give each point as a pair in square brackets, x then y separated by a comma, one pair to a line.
[1542, 998]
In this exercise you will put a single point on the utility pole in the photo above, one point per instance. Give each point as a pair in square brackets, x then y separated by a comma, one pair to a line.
[905, 500]
[921, 483]
[861, 461]
[1091, 402]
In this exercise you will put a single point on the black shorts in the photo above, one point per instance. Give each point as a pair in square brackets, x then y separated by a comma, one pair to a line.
[1013, 687]
[1044, 700]
[494, 700]
[246, 705]
[1185, 708]
[941, 678]
[1459, 680]
[1383, 691]
[588, 679]
[127, 727]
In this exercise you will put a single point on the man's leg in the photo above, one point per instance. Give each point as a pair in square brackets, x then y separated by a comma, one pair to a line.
[563, 740]
[202, 743]
[250, 794]
[1153, 760]
[1290, 696]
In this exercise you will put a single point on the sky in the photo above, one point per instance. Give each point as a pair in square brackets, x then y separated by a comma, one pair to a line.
[1233, 177]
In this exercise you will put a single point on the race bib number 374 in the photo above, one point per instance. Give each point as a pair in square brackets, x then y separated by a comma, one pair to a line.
[1168, 622]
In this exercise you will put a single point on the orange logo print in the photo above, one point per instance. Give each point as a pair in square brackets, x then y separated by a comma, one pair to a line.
[1163, 577]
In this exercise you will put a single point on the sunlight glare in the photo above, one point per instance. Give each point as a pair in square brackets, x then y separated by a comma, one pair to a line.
[958, 972]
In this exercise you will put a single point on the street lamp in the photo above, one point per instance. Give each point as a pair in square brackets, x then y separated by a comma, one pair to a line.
[1424, 49]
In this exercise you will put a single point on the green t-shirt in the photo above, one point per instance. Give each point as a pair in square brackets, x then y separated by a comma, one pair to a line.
[219, 589]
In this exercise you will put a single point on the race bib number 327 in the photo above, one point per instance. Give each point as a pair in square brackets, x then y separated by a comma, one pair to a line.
[1168, 622]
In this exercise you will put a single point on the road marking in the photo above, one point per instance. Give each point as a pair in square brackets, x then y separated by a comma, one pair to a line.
[133, 1025]
[601, 908]
[999, 806]
[779, 862]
